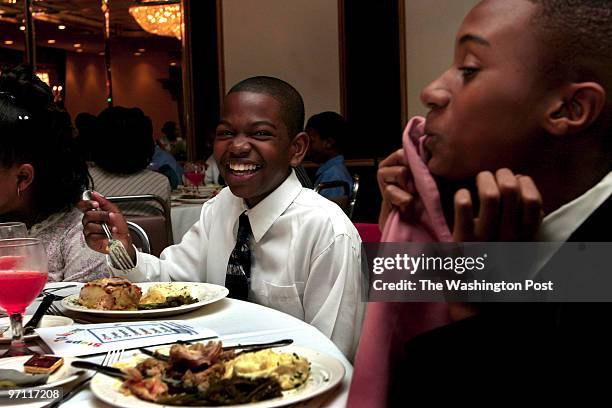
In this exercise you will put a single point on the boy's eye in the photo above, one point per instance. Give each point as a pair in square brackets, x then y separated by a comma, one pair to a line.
[262, 133]
[468, 72]
[224, 133]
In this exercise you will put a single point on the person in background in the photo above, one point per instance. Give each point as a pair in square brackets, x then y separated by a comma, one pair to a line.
[328, 132]
[266, 238]
[173, 142]
[212, 176]
[121, 157]
[164, 163]
[42, 175]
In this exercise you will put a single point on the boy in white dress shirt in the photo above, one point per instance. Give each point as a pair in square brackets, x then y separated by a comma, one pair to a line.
[305, 254]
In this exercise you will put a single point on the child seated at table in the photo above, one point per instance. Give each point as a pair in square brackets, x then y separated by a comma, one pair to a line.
[521, 122]
[42, 175]
[265, 237]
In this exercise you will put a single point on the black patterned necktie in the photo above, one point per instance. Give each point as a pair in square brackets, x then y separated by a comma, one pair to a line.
[238, 275]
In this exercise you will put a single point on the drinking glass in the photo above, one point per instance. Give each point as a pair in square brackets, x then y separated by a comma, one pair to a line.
[13, 230]
[194, 173]
[23, 274]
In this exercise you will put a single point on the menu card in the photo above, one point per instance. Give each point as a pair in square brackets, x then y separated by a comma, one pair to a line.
[85, 339]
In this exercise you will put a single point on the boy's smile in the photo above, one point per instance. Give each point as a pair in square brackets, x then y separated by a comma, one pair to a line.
[252, 145]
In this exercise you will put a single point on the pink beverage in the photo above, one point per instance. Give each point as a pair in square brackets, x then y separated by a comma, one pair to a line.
[194, 178]
[18, 289]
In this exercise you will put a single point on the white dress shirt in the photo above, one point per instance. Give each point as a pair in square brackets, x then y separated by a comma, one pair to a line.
[560, 224]
[306, 257]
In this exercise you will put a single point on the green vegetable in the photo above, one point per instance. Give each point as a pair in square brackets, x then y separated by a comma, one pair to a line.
[171, 301]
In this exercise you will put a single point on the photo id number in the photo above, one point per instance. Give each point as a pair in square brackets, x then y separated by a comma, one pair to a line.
[35, 394]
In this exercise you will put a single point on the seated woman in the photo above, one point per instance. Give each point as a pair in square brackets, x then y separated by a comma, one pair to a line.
[121, 158]
[42, 175]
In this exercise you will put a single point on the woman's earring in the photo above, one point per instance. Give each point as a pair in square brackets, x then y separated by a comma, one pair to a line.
[18, 192]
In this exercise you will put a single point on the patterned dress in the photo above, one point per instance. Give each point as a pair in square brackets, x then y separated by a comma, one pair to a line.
[70, 259]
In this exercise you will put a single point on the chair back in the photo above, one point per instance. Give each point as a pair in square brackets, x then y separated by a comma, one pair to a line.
[139, 237]
[158, 228]
[343, 201]
[353, 196]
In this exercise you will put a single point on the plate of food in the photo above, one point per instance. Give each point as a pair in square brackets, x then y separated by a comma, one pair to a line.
[46, 321]
[35, 372]
[207, 375]
[118, 297]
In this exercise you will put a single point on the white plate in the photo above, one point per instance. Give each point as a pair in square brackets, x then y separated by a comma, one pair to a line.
[47, 321]
[63, 375]
[206, 293]
[325, 373]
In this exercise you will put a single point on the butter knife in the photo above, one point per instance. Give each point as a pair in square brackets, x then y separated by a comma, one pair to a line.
[38, 315]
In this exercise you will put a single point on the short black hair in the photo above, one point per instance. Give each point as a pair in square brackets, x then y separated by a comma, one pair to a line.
[577, 38]
[330, 125]
[290, 100]
[126, 143]
[35, 130]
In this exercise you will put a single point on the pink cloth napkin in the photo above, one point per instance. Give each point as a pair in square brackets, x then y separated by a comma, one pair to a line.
[389, 325]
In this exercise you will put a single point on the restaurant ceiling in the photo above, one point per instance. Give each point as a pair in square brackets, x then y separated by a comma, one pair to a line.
[83, 20]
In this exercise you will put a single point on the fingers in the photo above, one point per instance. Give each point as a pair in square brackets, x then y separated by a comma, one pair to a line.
[463, 230]
[510, 209]
[532, 207]
[396, 188]
[488, 216]
[510, 195]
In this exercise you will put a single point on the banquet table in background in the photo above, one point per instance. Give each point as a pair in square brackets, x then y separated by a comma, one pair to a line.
[235, 321]
[183, 217]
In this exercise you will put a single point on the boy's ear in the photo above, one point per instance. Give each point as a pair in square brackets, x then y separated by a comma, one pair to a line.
[299, 146]
[575, 108]
[25, 176]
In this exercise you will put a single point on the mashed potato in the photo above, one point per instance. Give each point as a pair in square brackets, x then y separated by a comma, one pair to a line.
[158, 293]
[290, 370]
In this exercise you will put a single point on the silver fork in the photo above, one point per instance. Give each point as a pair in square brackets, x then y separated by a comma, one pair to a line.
[117, 252]
[110, 358]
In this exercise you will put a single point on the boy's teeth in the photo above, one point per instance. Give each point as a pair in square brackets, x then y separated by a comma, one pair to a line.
[242, 167]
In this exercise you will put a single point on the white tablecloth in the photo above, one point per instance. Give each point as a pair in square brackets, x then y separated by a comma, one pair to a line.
[183, 217]
[238, 322]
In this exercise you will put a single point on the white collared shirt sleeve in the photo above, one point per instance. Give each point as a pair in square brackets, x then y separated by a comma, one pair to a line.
[184, 262]
[332, 296]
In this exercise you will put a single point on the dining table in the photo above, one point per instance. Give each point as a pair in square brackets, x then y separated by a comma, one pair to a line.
[183, 216]
[233, 320]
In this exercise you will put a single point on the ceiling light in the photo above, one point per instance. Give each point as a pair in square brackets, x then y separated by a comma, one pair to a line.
[51, 41]
[101, 53]
[173, 64]
[160, 18]
[21, 28]
[76, 45]
[141, 50]
[61, 27]
[79, 50]
[137, 54]
[9, 42]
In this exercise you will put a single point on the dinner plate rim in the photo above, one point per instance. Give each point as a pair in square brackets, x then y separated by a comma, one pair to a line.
[65, 380]
[170, 311]
[105, 392]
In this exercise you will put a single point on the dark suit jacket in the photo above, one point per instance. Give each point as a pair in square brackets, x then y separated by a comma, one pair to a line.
[527, 351]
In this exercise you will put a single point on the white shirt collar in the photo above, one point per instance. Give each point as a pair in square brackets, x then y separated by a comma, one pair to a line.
[266, 212]
[560, 224]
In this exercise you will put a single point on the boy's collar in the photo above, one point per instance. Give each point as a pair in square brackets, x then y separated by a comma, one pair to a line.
[267, 211]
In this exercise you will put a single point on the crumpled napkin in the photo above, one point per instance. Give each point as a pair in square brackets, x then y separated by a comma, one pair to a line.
[13, 378]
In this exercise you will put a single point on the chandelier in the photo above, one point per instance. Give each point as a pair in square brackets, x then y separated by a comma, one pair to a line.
[158, 17]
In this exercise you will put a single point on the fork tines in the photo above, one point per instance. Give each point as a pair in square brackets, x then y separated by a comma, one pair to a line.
[119, 255]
